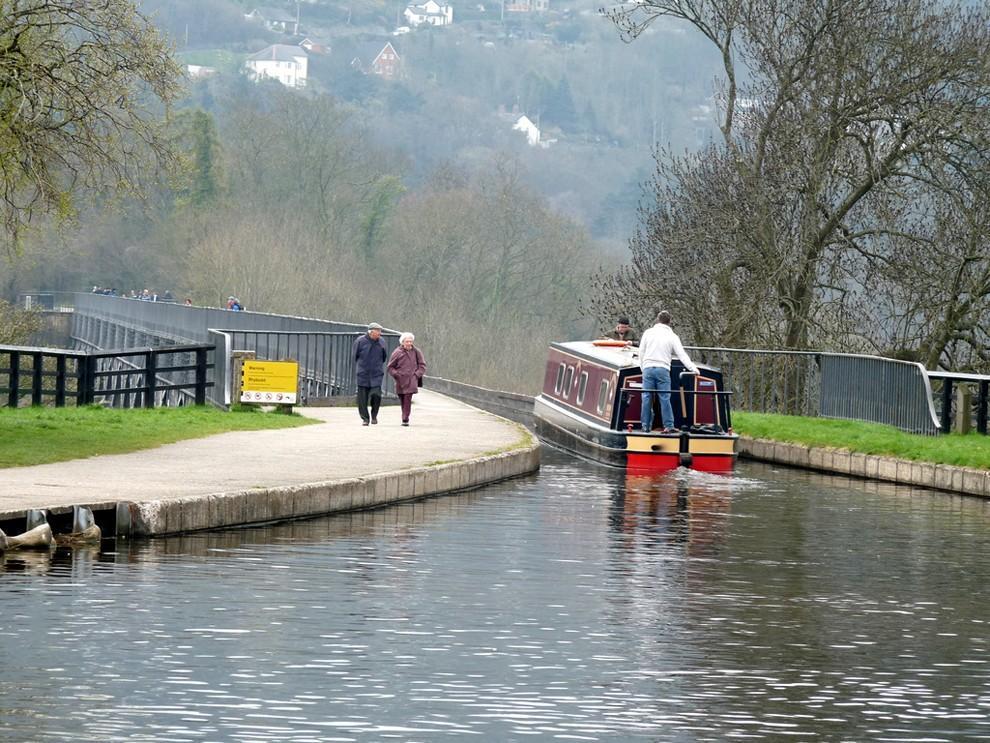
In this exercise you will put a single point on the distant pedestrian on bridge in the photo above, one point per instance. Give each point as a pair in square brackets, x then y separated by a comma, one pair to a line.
[369, 353]
[407, 367]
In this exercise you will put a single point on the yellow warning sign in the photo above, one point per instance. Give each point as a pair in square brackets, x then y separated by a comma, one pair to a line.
[270, 382]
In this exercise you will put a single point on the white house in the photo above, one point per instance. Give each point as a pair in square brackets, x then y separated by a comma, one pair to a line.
[431, 12]
[527, 127]
[287, 64]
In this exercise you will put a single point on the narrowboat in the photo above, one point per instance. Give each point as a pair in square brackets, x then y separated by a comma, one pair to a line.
[590, 406]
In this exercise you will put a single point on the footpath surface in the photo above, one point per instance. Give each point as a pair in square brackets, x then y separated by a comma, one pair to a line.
[339, 448]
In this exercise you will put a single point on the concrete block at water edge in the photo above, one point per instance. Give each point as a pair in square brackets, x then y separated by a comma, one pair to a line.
[445, 478]
[146, 518]
[841, 461]
[340, 495]
[194, 514]
[957, 479]
[904, 470]
[396, 486]
[279, 504]
[973, 481]
[857, 464]
[872, 466]
[380, 493]
[887, 469]
[256, 505]
[313, 500]
[225, 510]
[923, 473]
[750, 448]
[419, 483]
[173, 515]
[942, 477]
[432, 485]
[465, 475]
[364, 493]
[406, 485]
[816, 458]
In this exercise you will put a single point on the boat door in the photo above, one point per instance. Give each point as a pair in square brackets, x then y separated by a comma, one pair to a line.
[631, 403]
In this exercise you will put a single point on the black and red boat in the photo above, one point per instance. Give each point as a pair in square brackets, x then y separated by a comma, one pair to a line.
[591, 402]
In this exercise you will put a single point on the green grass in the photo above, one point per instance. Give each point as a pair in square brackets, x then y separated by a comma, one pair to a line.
[42, 435]
[971, 450]
[219, 59]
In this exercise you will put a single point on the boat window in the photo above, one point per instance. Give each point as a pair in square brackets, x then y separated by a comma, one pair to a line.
[559, 384]
[582, 387]
[568, 379]
[602, 396]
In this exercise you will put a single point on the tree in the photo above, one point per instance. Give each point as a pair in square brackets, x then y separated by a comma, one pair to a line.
[78, 83]
[834, 116]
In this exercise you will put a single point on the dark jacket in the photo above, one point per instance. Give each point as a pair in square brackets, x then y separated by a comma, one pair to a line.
[629, 336]
[406, 368]
[369, 356]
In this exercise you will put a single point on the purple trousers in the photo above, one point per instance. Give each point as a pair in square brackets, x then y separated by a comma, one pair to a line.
[406, 402]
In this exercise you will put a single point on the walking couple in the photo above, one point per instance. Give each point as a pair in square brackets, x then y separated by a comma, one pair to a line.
[406, 366]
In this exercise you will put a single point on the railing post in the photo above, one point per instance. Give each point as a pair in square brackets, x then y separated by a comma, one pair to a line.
[60, 381]
[37, 361]
[946, 405]
[15, 378]
[201, 376]
[84, 392]
[981, 407]
[150, 377]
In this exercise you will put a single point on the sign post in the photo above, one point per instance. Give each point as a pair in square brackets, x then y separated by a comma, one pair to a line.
[269, 382]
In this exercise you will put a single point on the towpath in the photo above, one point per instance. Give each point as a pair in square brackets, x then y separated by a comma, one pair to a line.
[339, 447]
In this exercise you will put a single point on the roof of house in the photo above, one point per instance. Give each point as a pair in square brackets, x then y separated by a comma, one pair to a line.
[279, 52]
[273, 14]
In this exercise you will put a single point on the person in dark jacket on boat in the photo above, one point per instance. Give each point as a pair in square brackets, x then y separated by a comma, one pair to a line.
[369, 353]
[623, 332]
[407, 368]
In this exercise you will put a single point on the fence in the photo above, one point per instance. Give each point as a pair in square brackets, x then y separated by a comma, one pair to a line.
[950, 381]
[326, 366]
[47, 301]
[131, 377]
[830, 385]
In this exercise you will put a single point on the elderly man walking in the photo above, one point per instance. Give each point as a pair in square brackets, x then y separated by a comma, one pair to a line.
[370, 353]
[657, 347]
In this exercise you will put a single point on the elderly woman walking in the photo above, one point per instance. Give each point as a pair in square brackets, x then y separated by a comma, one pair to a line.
[407, 368]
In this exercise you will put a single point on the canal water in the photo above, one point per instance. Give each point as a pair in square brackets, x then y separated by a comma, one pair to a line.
[580, 604]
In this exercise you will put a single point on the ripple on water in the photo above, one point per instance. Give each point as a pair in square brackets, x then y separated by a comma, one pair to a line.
[581, 604]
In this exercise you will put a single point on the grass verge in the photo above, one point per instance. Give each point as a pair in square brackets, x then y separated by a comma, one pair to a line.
[971, 450]
[43, 435]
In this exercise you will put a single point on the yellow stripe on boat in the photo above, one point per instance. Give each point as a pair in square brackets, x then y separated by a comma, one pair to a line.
[651, 444]
[711, 446]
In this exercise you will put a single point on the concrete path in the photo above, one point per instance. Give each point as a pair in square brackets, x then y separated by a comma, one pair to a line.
[441, 430]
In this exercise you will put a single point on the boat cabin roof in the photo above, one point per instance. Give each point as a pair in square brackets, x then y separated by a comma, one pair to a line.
[617, 357]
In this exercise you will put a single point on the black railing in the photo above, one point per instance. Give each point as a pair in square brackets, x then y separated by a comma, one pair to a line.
[949, 381]
[128, 377]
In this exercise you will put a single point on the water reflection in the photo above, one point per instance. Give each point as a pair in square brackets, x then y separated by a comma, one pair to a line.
[582, 604]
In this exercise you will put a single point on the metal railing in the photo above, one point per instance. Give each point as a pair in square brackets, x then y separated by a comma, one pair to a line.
[130, 377]
[948, 382]
[47, 301]
[326, 366]
[830, 385]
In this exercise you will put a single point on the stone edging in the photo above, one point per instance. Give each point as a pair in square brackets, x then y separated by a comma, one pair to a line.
[266, 505]
[965, 480]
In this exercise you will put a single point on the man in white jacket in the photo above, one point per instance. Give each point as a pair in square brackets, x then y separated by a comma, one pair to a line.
[657, 347]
